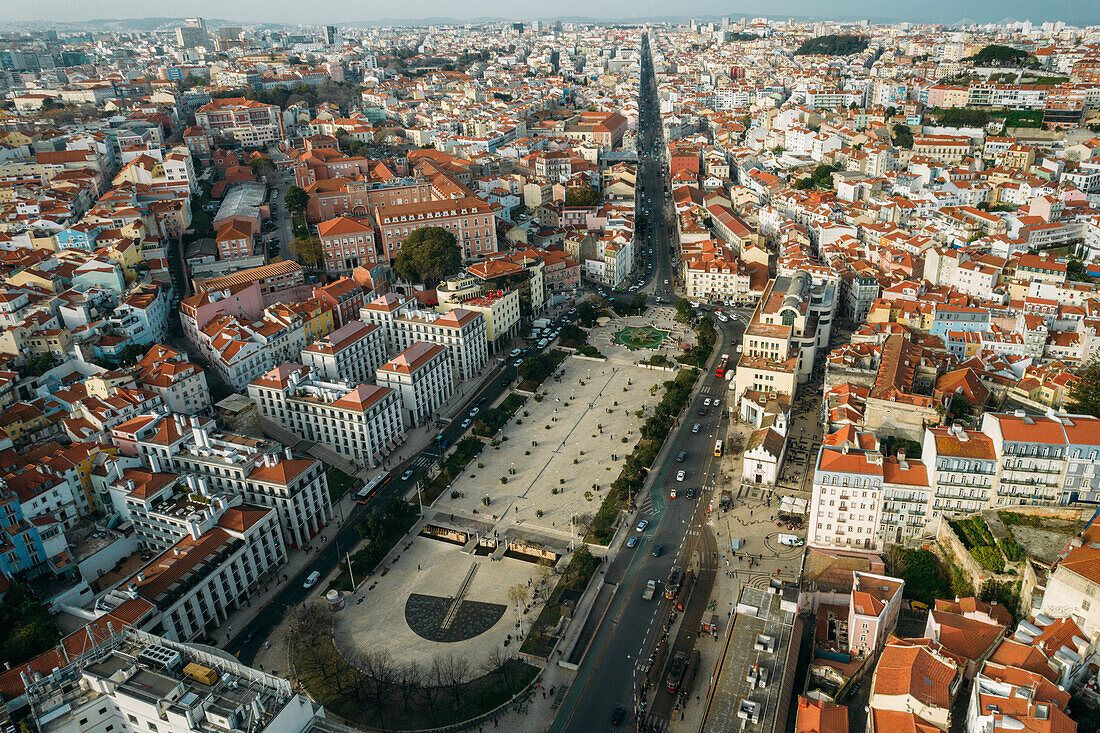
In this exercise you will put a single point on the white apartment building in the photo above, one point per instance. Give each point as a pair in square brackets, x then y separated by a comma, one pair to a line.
[423, 378]
[362, 423]
[1031, 457]
[258, 471]
[198, 582]
[963, 466]
[716, 279]
[130, 681]
[351, 353]
[180, 383]
[846, 507]
[463, 332]
[905, 493]
[163, 507]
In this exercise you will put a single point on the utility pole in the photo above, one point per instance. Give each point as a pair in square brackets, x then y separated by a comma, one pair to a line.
[350, 573]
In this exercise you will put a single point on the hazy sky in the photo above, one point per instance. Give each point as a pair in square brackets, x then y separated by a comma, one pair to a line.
[1077, 12]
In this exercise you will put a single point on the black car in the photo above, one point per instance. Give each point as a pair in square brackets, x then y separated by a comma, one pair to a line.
[618, 715]
[702, 411]
[657, 550]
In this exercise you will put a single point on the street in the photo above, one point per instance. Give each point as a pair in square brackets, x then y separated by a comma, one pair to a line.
[612, 672]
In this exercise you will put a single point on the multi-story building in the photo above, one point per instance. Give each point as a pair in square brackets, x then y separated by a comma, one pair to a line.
[470, 220]
[349, 242]
[461, 331]
[791, 323]
[846, 507]
[225, 565]
[127, 680]
[423, 377]
[362, 423]
[1031, 457]
[873, 611]
[258, 471]
[240, 120]
[180, 383]
[164, 507]
[964, 470]
[500, 309]
[351, 353]
[905, 494]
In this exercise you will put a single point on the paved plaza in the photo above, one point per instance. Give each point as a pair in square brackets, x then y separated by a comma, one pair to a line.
[418, 589]
[561, 453]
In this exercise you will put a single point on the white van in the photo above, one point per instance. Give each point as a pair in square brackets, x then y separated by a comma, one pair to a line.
[791, 540]
[311, 579]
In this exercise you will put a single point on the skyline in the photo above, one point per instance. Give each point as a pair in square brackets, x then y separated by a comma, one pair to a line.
[351, 12]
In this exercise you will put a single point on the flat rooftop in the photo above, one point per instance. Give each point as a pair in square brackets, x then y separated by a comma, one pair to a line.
[748, 695]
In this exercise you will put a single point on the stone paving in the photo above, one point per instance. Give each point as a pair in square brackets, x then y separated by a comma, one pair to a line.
[561, 453]
[429, 569]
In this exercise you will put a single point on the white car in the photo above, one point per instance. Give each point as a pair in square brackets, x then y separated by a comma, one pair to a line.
[706, 402]
[722, 317]
[740, 348]
[311, 579]
[680, 475]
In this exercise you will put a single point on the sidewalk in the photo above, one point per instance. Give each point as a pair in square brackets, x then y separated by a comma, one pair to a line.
[272, 584]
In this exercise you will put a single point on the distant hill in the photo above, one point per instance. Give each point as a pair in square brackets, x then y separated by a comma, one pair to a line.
[833, 45]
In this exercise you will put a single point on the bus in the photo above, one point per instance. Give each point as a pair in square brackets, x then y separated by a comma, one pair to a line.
[717, 448]
[721, 366]
[364, 494]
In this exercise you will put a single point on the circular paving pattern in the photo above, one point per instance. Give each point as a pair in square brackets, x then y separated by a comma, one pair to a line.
[425, 615]
[640, 337]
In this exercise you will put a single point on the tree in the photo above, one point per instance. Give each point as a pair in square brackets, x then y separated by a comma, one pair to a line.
[26, 626]
[308, 250]
[823, 175]
[263, 166]
[581, 196]
[1084, 394]
[903, 136]
[428, 255]
[684, 313]
[296, 199]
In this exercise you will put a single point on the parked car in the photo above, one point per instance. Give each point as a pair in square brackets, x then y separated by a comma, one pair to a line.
[632, 542]
[473, 412]
[466, 423]
[311, 579]
[642, 525]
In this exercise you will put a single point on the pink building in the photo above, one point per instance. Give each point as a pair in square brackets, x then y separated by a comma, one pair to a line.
[243, 300]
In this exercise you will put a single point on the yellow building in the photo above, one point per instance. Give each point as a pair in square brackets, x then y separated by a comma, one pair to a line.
[53, 341]
[22, 419]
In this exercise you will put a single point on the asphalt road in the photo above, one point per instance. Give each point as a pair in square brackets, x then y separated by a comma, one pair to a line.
[249, 639]
[611, 672]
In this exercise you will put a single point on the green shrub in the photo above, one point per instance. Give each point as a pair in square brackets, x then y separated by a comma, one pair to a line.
[989, 557]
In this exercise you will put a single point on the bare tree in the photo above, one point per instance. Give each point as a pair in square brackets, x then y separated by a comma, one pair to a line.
[409, 679]
[454, 671]
[431, 681]
[498, 659]
[517, 594]
[378, 672]
[583, 522]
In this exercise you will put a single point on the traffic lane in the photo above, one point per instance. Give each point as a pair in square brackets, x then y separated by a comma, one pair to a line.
[636, 627]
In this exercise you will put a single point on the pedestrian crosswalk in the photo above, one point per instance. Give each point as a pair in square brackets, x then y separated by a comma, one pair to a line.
[423, 461]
